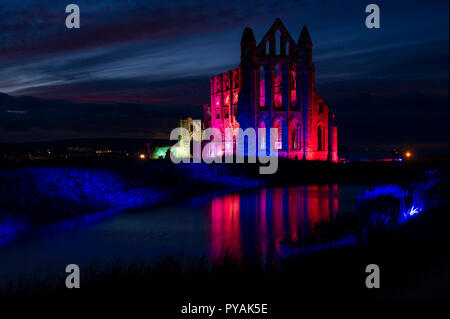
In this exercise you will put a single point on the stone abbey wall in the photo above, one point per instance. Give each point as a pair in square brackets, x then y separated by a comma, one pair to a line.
[274, 87]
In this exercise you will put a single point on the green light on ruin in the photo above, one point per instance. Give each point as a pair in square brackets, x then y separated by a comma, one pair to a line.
[160, 152]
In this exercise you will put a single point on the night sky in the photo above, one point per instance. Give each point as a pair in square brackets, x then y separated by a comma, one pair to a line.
[138, 66]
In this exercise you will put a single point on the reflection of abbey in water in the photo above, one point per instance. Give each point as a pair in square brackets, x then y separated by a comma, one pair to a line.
[259, 220]
[274, 86]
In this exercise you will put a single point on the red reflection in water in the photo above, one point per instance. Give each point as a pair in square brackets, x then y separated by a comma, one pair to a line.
[261, 220]
[258, 221]
[294, 204]
[334, 195]
[277, 216]
[225, 226]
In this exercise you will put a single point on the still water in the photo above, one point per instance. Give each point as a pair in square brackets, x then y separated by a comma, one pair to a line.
[250, 223]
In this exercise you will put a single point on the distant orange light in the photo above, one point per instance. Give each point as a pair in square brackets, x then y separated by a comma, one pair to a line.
[408, 154]
[142, 156]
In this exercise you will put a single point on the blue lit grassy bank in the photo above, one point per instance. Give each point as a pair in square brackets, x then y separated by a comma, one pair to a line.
[379, 209]
[35, 196]
[412, 254]
[401, 224]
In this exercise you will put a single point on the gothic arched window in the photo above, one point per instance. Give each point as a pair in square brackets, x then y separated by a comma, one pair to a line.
[262, 137]
[278, 142]
[293, 86]
[278, 42]
[262, 87]
[277, 99]
[295, 138]
[319, 138]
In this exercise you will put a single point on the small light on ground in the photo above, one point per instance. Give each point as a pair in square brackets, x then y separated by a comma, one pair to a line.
[142, 156]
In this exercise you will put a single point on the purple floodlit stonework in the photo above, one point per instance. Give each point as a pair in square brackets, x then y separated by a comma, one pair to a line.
[274, 87]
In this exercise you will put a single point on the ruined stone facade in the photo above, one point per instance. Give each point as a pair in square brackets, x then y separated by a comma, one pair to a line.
[274, 87]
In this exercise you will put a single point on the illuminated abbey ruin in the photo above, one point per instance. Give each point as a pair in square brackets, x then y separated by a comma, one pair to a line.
[274, 87]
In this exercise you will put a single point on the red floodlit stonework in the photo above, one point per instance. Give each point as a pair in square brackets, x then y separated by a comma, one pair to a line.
[274, 86]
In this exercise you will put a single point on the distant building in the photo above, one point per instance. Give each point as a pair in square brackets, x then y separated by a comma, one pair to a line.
[183, 150]
[274, 87]
[188, 124]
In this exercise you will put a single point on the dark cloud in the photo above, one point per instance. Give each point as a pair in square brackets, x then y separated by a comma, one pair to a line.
[394, 121]
[193, 92]
[162, 53]
[32, 119]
